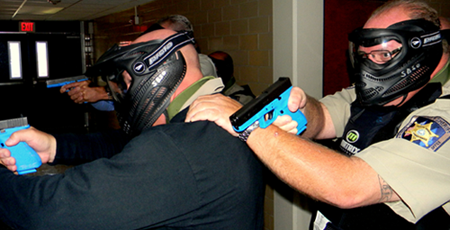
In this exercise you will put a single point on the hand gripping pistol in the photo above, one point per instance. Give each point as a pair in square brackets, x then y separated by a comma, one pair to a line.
[27, 160]
[267, 107]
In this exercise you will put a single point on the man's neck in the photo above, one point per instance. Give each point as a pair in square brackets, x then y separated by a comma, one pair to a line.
[443, 76]
[204, 86]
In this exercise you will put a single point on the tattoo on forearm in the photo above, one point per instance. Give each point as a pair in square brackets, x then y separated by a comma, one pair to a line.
[386, 190]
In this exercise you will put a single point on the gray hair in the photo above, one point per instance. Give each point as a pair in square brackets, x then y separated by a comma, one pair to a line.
[416, 9]
[177, 23]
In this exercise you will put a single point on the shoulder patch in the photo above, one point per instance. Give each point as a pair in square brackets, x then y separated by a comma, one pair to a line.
[428, 132]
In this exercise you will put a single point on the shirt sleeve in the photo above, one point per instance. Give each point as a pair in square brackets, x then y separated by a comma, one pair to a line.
[338, 106]
[416, 162]
[119, 189]
[74, 149]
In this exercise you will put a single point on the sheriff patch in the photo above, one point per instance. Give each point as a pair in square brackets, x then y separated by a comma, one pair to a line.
[428, 132]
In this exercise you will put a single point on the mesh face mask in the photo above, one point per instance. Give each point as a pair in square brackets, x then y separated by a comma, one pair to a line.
[156, 69]
[396, 72]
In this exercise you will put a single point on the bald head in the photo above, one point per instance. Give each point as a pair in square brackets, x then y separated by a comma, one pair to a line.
[387, 18]
[154, 35]
[395, 10]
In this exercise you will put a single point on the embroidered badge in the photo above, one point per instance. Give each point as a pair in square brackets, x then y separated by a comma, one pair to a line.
[422, 133]
[428, 132]
[352, 136]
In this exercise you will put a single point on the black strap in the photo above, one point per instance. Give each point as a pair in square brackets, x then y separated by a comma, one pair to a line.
[446, 34]
[445, 97]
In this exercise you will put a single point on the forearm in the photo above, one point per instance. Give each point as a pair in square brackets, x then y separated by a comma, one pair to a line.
[315, 170]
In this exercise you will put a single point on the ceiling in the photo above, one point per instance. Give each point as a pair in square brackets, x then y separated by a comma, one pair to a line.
[82, 10]
[61, 10]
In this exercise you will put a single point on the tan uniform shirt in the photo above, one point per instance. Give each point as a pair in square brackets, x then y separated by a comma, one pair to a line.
[419, 175]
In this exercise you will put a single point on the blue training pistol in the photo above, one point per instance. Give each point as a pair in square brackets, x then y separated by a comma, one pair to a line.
[272, 102]
[64, 81]
[27, 160]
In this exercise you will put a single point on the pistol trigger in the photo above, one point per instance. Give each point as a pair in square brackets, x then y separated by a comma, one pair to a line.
[268, 116]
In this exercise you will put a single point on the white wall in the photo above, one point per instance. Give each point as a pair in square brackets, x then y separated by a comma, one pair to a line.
[297, 50]
[298, 43]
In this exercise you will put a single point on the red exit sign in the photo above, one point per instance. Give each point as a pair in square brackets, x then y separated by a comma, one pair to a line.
[26, 26]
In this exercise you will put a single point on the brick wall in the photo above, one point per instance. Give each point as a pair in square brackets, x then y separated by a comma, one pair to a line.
[442, 6]
[242, 28]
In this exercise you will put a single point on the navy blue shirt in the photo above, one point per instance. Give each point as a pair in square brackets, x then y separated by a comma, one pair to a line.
[180, 175]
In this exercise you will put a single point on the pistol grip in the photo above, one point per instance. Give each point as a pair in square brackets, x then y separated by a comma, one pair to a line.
[300, 118]
[27, 160]
[297, 116]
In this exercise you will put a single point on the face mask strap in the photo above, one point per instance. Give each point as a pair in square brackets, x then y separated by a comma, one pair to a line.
[168, 47]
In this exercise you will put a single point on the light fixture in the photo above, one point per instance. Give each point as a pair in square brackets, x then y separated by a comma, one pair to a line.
[42, 58]
[15, 60]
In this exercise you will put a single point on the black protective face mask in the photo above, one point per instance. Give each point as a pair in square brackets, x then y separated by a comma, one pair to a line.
[225, 69]
[156, 69]
[409, 68]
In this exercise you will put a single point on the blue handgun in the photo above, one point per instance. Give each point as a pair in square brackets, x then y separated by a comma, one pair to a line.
[27, 160]
[64, 81]
[267, 107]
